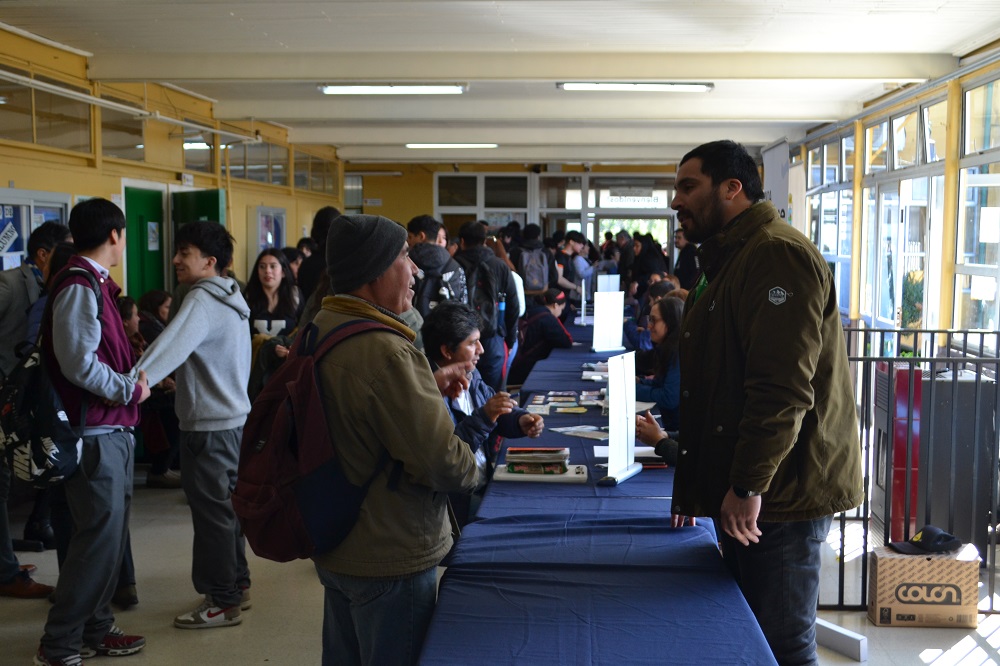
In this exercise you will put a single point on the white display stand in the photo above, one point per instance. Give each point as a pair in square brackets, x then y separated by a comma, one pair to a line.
[583, 319]
[609, 282]
[621, 420]
[609, 308]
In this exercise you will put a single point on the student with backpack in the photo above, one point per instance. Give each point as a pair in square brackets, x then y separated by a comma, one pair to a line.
[206, 343]
[491, 286]
[533, 262]
[386, 418]
[88, 357]
[442, 278]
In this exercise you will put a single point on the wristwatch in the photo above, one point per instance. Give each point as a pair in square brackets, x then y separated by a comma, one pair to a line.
[743, 493]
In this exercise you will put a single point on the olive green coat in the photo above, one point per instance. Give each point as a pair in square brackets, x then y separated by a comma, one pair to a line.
[379, 394]
[766, 397]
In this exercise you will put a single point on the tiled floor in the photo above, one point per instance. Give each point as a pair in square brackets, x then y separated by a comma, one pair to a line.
[284, 625]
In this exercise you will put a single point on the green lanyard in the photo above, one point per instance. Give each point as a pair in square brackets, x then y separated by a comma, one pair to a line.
[700, 287]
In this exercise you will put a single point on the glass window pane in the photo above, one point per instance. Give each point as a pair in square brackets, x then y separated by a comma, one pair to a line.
[876, 145]
[975, 302]
[814, 166]
[868, 225]
[904, 141]
[457, 191]
[813, 209]
[279, 165]
[257, 162]
[236, 159]
[121, 135]
[935, 119]
[301, 171]
[982, 117]
[846, 222]
[828, 230]
[61, 122]
[15, 113]
[887, 256]
[198, 153]
[831, 162]
[847, 149]
[506, 192]
[317, 174]
[978, 239]
[560, 193]
[630, 192]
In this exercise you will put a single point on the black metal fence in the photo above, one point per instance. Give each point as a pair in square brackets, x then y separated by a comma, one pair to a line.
[927, 413]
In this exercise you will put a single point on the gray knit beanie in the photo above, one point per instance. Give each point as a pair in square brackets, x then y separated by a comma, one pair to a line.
[360, 248]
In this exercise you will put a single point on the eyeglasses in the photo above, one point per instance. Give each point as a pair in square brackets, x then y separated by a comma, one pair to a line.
[653, 320]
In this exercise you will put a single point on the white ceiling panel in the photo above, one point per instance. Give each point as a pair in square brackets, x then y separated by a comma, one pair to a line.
[779, 67]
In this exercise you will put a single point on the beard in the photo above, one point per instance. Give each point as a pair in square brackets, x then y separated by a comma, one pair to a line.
[700, 227]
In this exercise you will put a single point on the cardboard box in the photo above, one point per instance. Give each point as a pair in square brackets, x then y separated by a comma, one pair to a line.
[932, 590]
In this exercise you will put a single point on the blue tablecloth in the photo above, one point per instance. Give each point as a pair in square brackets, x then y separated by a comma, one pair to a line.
[598, 540]
[589, 615]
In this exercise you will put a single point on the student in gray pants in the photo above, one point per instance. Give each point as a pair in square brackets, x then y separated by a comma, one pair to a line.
[208, 346]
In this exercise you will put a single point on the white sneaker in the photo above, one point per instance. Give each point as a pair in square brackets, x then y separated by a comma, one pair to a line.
[207, 616]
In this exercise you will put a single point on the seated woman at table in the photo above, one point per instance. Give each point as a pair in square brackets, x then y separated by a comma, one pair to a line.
[539, 332]
[481, 416]
[663, 387]
[636, 328]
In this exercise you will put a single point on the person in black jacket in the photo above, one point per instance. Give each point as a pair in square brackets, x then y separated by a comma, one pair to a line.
[499, 333]
[312, 271]
[540, 332]
[688, 268]
[442, 277]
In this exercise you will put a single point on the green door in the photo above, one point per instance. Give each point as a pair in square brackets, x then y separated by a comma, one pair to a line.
[143, 241]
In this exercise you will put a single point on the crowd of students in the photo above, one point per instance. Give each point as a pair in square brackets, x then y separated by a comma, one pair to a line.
[182, 369]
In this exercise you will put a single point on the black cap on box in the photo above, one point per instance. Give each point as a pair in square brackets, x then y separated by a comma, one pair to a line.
[929, 539]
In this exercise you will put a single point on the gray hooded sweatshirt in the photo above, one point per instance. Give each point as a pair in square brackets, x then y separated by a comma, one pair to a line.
[208, 345]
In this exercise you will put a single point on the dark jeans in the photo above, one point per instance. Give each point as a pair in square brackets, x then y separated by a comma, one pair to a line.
[780, 579]
[379, 621]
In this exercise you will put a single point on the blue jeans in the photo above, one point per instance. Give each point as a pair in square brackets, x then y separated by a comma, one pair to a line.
[780, 579]
[376, 621]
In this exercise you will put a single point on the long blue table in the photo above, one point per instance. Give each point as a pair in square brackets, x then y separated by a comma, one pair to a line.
[584, 574]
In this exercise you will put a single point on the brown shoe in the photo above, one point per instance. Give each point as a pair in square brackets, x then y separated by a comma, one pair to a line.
[23, 587]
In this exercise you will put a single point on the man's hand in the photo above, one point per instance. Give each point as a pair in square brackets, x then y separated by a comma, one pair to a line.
[677, 520]
[532, 425]
[142, 386]
[739, 517]
[647, 430]
[498, 405]
[453, 379]
[281, 351]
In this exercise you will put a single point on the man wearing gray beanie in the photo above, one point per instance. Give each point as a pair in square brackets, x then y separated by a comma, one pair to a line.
[382, 403]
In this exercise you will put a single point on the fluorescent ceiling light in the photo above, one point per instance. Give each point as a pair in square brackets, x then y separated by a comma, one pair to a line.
[448, 146]
[390, 89]
[197, 146]
[636, 87]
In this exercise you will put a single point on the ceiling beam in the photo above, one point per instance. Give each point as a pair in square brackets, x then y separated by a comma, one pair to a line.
[687, 134]
[637, 154]
[539, 66]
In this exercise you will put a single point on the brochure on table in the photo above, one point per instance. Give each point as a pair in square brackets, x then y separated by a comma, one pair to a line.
[609, 308]
[621, 420]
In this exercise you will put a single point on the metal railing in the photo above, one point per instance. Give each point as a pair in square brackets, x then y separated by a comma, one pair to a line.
[927, 415]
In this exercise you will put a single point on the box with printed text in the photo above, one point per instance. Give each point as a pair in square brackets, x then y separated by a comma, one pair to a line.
[929, 590]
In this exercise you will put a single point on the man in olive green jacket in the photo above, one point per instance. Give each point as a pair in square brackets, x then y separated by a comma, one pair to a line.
[769, 438]
[381, 396]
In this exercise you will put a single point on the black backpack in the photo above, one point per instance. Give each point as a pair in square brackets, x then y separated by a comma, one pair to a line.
[430, 290]
[37, 440]
[485, 296]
